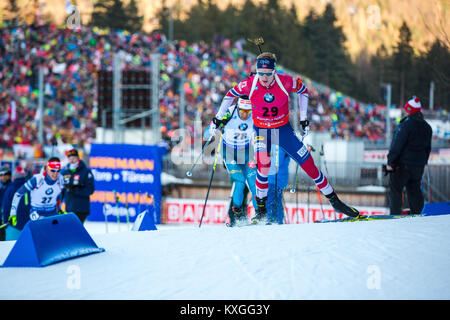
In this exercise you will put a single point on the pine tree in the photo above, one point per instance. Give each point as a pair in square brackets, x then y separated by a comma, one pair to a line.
[112, 14]
[292, 49]
[134, 20]
[194, 26]
[12, 10]
[403, 61]
[230, 25]
[332, 66]
[247, 23]
[437, 67]
[163, 18]
[381, 63]
[213, 21]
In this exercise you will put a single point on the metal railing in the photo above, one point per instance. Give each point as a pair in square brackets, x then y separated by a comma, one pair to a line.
[341, 175]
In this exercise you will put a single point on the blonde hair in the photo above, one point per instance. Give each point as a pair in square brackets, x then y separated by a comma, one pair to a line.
[267, 55]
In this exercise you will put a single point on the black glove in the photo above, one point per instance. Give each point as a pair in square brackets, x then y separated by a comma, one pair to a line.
[305, 127]
[219, 122]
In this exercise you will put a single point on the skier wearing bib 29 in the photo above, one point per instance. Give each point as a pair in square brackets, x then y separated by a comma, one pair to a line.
[45, 193]
[269, 95]
[238, 156]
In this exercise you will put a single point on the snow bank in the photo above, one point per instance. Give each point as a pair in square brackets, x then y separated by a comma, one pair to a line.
[388, 259]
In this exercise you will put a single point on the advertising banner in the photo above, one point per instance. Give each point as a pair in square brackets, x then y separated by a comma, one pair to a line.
[216, 212]
[127, 181]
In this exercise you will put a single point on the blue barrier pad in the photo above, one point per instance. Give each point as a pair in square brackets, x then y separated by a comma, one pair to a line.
[50, 240]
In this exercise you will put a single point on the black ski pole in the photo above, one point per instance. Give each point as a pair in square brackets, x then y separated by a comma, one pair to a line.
[189, 172]
[212, 176]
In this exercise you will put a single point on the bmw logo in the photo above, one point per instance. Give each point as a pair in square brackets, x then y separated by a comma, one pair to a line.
[268, 97]
[49, 191]
[243, 126]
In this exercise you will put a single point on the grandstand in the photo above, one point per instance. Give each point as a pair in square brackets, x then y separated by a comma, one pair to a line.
[128, 115]
[195, 75]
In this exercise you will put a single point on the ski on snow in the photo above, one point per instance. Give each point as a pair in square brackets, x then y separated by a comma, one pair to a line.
[370, 218]
[346, 219]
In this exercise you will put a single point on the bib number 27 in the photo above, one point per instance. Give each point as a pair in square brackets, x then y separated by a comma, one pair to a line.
[46, 200]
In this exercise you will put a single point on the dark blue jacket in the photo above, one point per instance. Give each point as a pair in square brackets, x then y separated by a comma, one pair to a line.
[78, 186]
[3, 188]
[23, 210]
[411, 143]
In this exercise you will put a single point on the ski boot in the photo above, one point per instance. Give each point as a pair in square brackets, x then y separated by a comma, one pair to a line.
[232, 222]
[260, 210]
[236, 215]
[239, 214]
[341, 207]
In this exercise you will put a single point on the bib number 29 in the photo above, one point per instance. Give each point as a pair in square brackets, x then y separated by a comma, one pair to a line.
[272, 112]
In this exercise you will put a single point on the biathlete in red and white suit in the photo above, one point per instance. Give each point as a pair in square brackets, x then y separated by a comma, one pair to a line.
[269, 94]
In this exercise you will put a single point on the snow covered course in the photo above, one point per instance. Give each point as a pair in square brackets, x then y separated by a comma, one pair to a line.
[387, 259]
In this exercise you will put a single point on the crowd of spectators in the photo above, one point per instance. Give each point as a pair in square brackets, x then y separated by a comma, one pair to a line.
[71, 58]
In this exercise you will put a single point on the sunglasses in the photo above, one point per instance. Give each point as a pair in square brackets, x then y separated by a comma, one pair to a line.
[54, 170]
[245, 111]
[268, 74]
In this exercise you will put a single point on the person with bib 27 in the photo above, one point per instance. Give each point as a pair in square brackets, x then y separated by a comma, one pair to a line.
[45, 193]
[238, 156]
[269, 94]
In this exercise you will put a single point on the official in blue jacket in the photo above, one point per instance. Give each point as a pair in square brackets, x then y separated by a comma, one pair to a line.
[282, 177]
[5, 180]
[78, 186]
[23, 210]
